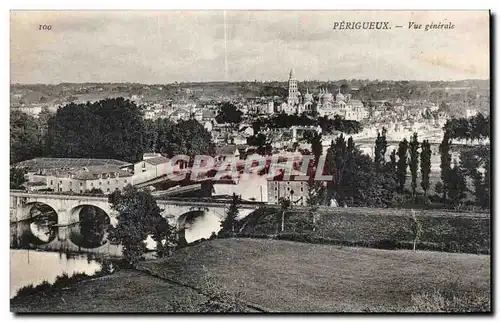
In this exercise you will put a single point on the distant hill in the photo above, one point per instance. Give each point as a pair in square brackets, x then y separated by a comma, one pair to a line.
[363, 89]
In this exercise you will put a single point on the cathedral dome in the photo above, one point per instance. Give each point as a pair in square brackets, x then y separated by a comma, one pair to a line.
[327, 98]
[308, 97]
[340, 97]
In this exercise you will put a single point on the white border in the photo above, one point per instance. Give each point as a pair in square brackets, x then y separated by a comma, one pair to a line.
[186, 4]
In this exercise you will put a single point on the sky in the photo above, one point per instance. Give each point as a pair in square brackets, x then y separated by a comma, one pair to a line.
[160, 47]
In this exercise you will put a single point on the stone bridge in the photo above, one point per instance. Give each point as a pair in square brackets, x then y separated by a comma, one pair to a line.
[66, 211]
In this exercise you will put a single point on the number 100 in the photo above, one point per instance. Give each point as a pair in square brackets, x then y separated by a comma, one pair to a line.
[44, 27]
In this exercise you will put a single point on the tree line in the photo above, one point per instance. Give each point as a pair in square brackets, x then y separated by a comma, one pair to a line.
[359, 180]
[470, 129]
[108, 129]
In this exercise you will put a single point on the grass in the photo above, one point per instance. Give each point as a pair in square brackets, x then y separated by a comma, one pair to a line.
[283, 276]
[296, 277]
[123, 291]
[449, 302]
[441, 230]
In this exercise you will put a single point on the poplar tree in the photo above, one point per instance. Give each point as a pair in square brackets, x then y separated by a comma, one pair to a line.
[380, 150]
[425, 165]
[414, 145]
[402, 164]
[456, 185]
[444, 150]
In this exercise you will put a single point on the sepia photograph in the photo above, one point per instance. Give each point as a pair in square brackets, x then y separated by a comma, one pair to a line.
[250, 161]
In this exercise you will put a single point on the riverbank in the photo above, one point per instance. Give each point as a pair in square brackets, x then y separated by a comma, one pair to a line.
[123, 291]
[283, 276]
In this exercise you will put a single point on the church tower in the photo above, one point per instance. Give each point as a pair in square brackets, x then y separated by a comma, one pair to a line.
[293, 93]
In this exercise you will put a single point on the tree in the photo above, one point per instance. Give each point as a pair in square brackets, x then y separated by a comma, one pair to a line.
[228, 224]
[228, 113]
[138, 217]
[479, 189]
[315, 197]
[96, 191]
[425, 165]
[316, 146]
[184, 137]
[457, 186]
[285, 205]
[17, 177]
[380, 150]
[25, 137]
[438, 188]
[341, 156]
[444, 150]
[402, 165]
[392, 166]
[416, 228]
[486, 186]
[472, 159]
[107, 129]
[414, 145]
[43, 125]
[329, 169]
[261, 142]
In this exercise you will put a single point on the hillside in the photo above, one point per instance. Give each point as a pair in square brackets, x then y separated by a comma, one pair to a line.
[290, 276]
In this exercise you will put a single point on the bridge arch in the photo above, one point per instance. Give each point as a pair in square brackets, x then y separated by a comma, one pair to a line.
[198, 223]
[88, 225]
[37, 224]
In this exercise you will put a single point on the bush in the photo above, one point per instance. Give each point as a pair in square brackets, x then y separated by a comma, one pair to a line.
[217, 300]
[422, 200]
[63, 281]
[451, 302]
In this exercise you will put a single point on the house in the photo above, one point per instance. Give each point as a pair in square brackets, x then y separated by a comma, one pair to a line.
[105, 178]
[156, 164]
[76, 175]
[227, 153]
[180, 114]
[246, 130]
[295, 191]
[149, 114]
[41, 166]
[238, 139]
[208, 116]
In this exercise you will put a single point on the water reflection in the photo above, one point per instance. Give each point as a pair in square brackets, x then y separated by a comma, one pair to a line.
[202, 227]
[33, 267]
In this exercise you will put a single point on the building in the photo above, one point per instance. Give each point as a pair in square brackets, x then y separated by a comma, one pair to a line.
[33, 110]
[208, 116]
[76, 175]
[298, 132]
[325, 104]
[295, 191]
[180, 114]
[105, 178]
[151, 167]
[270, 107]
[227, 153]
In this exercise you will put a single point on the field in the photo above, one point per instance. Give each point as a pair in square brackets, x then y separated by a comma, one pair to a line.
[291, 276]
[277, 276]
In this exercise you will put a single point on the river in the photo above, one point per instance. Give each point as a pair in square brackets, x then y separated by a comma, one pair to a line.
[33, 267]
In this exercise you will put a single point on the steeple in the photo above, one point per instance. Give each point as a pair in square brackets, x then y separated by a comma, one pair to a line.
[293, 91]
